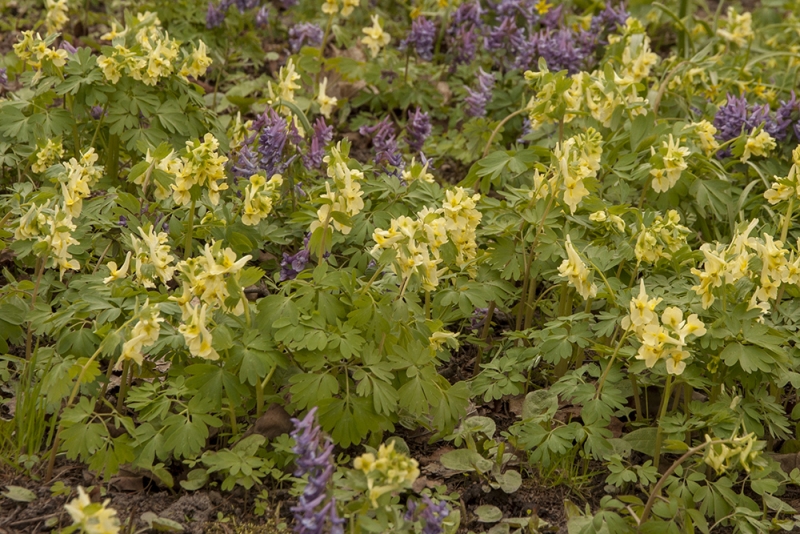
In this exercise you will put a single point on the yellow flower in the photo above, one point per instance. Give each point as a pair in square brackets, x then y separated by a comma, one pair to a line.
[737, 29]
[675, 361]
[326, 103]
[437, 339]
[143, 334]
[92, 518]
[576, 272]
[287, 85]
[197, 62]
[56, 15]
[47, 156]
[542, 7]
[375, 38]
[118, 274]
[348, 6]
[758, 145]
[330, 7]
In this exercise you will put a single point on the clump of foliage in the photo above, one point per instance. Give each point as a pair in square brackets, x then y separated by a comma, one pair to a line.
[376, 214]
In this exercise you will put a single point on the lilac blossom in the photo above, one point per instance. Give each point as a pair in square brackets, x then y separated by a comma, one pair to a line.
[731, 118]
[433, 515]
[464, 45]
[506, 36]
[784, 118]
[215, 16]
[262, 17]
[421, 37]
[245, 5]
[418, 128]
[478, 98]
[322, 135]
[313, 515]
[304, 33]
[67, 47]
[272, 136]
[292, 264]
[384, 139]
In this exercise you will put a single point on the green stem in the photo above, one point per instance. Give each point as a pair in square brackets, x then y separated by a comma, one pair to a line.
[602, 380]
[123, 385]
[484, 335]
[112, 159]
[637, 401]
[661, 414]
[187, 245]
[497, 130]
[322, 48]
[663, 480]
[40, 262]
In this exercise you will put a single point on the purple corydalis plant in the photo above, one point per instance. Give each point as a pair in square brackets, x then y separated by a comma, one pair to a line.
[433, 515]
[292, 264]
[215, 16]
[384, 139]
[418, 128]
[271, 141]
[421, 37]
[262, 17]
[322, 135]
[478, 98]
[313, 515]
[304, 34]
[506, 36]
[3, 76]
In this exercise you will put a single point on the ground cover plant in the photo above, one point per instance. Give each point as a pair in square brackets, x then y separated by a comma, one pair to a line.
[424, 266]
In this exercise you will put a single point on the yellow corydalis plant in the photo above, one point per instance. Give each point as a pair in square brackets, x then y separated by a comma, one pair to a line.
[77, 179]
[376, 38]
[785, 188]
[47, 155]
[34, 52]
[145, 52]
[52, 228]
[577, 159]
[665, 339]
[661, 239]
[386, 472]
[331, 7]
[152, 257]
[56, 16]
[668, 164]
[738, 28]
[576, 272]
[144, 334]
[202, 166]
[92, 518]
[345, 196]
[259, 197]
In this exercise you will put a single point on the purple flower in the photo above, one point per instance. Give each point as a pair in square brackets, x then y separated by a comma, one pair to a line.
[478, 98]
[468, 13]
[68, 47]
[421, 37]
[97, 112]
[512, 8]
[272, 135]
[552, 19]
[609, 19]
[418, 128]
[731, 118]
[559, 50]
[315, 459]
[507, 36]
[215, 16]
[323, 134]
[432, 515]
[123, 221]
[244, 5]
[3, 76]
[262, 17]
[526, 130]
[463, 45]
[304, 34]
[384, 139]
[786, 114]
[291, 265]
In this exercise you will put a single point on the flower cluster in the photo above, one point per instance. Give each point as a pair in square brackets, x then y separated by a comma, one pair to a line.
[743, 451]
[92, 518]
[737, 29]
[56, 16]
[152, 257]
[77, 179]
[205, 282]
[331, 7]
[304, 34]
[785, 188]
[286, 86]
[259, 196]
[47, 155]
[665, 339]
[326, 103]
[576, 159]
[375, 38]
[461, 221]
[418, 128]
[726, 264]
[433, 514]
[53, 227]
[145, 53]
[201, 166]
[314, 460]
[575, 271]
[478, 98]
[143, 334]
[384, 139]
[668, 164]
[34, 52]
[421, 37]
[346, 199]
[664, 236]
[389, 471]
[705, 132]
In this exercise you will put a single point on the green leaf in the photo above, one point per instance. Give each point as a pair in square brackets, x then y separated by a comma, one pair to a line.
[465, 460]
[488, 514]
[749, 357]
[540, 405]
[642, 440]
[510, 481]
[19, 494]
[196, 479]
